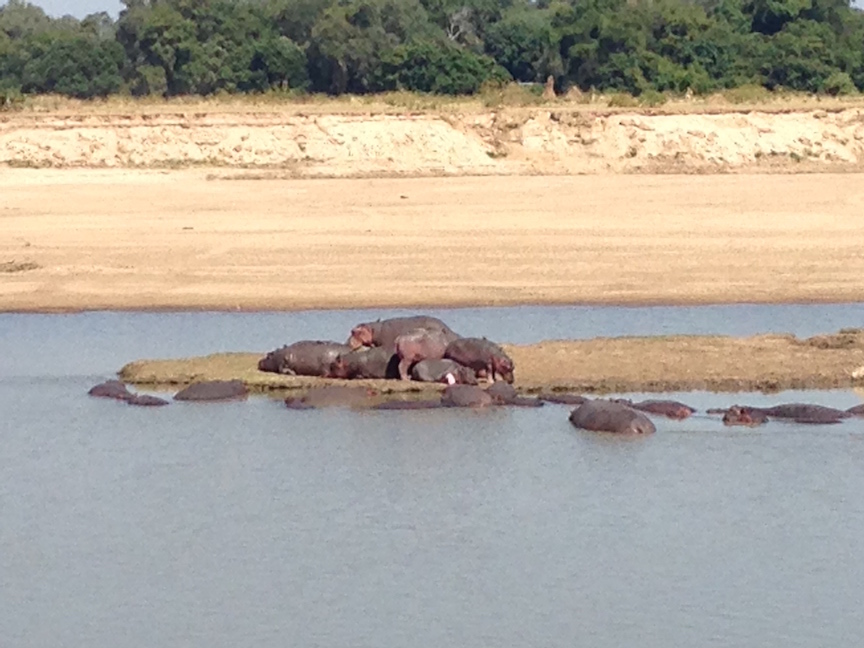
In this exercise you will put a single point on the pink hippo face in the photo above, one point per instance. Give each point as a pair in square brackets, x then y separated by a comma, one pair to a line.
[361, 335]
[504, 368]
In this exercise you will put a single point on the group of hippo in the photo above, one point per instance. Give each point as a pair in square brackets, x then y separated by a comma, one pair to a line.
[601, 415]
[418, 347]
[424, 348]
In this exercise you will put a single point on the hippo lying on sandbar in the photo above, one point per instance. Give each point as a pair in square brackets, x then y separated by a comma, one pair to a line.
[443, 371]
[486, 358]
[365, 362]
[608, 416]
[118, 391]
[383, 333]
[213, 390]
[333, 396]
[304, 358]
[668, 408]
[418, 345]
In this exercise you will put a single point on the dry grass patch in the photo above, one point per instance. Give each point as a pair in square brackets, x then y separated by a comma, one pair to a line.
[12, 267]
[511, 96]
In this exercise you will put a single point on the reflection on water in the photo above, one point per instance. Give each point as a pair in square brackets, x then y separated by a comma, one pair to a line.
[245, 524]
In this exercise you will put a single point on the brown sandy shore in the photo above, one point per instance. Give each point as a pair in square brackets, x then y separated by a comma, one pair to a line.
[79, 239]
[767, 363]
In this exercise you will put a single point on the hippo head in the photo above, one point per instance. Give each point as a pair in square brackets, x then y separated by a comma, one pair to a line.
[272, 361]
[739, 415]
[362, 335]
[504, 367]
[338, 368]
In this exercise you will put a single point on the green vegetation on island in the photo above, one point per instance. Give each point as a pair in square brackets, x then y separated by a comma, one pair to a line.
[639, 47]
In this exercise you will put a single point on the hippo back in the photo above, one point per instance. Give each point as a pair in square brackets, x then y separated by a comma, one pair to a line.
[213, 390]
[466, 396]
[304, 358]
[607, 416]
[386, 331]
[437, 371]
[365, 362]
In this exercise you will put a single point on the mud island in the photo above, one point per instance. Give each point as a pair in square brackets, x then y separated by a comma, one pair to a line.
[766, 363]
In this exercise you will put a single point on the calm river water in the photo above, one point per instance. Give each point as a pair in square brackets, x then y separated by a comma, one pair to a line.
[245, 524]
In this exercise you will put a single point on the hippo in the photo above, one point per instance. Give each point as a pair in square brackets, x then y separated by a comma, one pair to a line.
[803, 412]
[333, 396]
[484, 357]
[408, 405]
[819, 418]
[144, 400]
[505, 394]
[858, 410]
[417, 345]
[443, 371]
[213, 390]
[383, 333]
[111, 389]
[466, 396]
[742, 415]
[304, 358]
[562, 399]
[365, 362]
[668, 408]
[608, 416]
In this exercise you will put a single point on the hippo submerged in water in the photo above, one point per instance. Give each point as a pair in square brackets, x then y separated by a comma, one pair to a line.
[505, 394]
[609, 416]
[742, 415]
[796, 412]
[669, 409]
[213, 390]
[118, 391]
[333, 396]
[804, 413]
[858, 410]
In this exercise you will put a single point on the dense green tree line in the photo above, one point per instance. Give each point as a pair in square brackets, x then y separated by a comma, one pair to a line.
[176, 47]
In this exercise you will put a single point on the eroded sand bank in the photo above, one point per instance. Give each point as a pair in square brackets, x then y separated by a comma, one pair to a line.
[561, 137]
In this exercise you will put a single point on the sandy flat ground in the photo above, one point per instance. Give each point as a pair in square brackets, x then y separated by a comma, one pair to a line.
[129, 239]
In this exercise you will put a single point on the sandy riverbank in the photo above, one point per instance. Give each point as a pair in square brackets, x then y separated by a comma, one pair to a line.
[136, 239]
